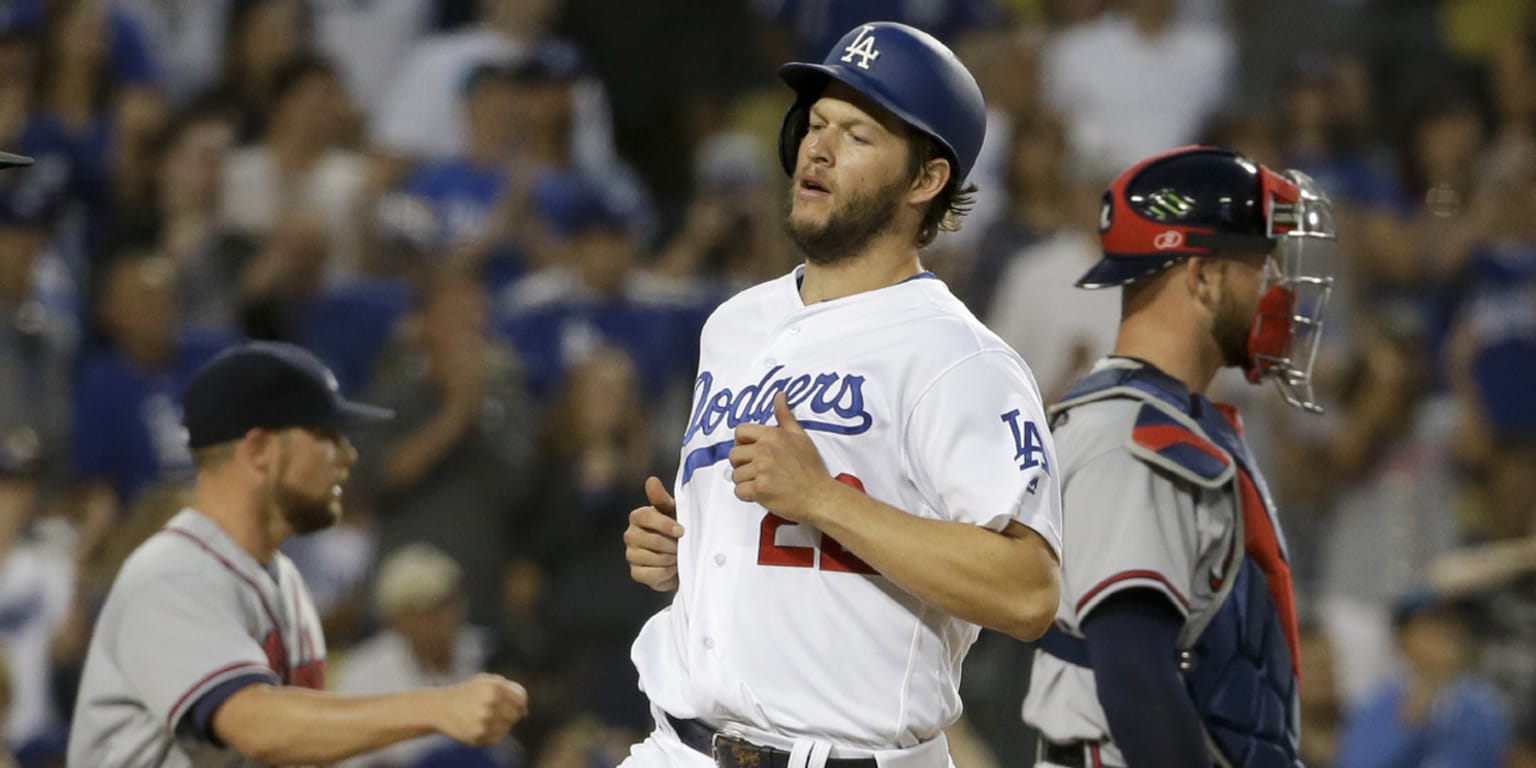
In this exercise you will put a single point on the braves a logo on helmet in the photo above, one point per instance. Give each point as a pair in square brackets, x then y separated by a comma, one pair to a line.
[863, 47]
[1168, 240]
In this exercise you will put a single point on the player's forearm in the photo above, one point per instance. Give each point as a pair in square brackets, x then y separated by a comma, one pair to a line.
[298, 726]
[1006, 581]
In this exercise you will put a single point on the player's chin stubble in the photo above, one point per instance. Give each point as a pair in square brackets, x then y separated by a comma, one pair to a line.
[847, 229]
[306, 513]
[1233, 325]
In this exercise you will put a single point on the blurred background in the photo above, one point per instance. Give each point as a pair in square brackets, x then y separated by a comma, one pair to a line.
[508, 219]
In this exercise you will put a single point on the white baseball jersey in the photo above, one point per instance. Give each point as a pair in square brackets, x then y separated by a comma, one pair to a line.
[189, 611]
[777, 628]
[1130, 526]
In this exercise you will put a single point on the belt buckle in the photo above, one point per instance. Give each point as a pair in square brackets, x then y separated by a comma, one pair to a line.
[734, 752]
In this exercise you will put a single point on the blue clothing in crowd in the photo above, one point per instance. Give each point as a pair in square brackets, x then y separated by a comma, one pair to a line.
[1467, 728]
[460, 195]
[550, 339]
[128, 429]
[1499, 304]
[348, 326]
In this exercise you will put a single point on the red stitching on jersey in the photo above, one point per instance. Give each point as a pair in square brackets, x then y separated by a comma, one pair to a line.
[1125, 575]
[1093, 751]
[277, 626]
[171, 717]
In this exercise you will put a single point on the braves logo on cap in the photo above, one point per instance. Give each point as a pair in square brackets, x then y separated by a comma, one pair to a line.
[1168, 240]
[863, 47]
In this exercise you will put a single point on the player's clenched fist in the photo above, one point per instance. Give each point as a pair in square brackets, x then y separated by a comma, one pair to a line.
[480, 711]
[650, 542]
[778, 467]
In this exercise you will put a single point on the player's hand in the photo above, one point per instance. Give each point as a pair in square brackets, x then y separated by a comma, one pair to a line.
[778, 466]
[480, 711]
[650, 542]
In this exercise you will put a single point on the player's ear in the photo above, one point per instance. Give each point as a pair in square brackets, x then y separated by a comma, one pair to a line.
[256, 447]
[1200, 278]
[929, 181]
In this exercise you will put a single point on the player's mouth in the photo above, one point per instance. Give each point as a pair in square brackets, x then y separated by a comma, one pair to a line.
[811, 189]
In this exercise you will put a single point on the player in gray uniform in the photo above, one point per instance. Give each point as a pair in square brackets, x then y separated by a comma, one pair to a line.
[1175, 642]
[208, 651]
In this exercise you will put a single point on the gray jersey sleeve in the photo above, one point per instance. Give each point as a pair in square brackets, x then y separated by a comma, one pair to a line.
[977, 444]
[1130, 526]
[180, 638]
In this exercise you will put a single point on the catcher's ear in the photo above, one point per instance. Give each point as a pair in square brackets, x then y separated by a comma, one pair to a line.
[1200, 278]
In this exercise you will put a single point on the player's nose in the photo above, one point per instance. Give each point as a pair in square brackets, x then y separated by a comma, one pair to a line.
[817, 149]
[347, 456]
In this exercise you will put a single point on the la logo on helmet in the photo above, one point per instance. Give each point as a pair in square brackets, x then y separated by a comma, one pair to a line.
[863, 47]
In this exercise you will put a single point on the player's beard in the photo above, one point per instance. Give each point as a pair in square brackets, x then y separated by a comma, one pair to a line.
[1234, 323]
[305, 512]
[848, 228]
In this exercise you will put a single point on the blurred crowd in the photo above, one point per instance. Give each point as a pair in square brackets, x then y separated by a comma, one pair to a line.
[508, 220]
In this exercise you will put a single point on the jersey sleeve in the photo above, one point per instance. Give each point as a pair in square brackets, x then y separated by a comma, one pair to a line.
[1130, 527]
[180, 639]
[978, 446]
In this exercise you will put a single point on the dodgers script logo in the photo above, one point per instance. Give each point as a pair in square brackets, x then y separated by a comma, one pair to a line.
[836, 401]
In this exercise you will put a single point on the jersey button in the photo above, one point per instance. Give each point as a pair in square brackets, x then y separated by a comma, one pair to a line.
[709, 643]
[770, 362]
[794, 329]
[719, 559]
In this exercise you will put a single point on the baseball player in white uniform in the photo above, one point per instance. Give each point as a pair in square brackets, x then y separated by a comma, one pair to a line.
[1176, 643]
[867, 475]
[208, 651]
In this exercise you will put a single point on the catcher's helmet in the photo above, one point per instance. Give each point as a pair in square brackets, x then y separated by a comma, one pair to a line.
[8, 160]
[1206, 201]
[909, 73]
[1193, 201]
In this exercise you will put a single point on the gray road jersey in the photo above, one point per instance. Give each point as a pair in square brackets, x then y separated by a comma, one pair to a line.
[189, 611]
[1124, 525]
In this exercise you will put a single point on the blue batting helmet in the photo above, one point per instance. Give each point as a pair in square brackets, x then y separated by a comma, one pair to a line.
[909, 73]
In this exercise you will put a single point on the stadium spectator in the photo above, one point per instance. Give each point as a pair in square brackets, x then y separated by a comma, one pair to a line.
[298, 166]
[1435, 713]
[456, 462]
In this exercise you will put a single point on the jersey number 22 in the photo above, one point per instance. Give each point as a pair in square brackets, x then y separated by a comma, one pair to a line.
[833, 556]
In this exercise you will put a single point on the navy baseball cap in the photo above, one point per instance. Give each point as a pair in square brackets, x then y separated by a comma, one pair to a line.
[267, 385]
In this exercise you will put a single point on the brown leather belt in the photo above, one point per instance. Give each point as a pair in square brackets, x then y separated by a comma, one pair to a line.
[733, 752]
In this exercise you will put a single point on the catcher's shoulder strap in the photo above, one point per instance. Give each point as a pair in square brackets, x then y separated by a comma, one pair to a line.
[1163, 434]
